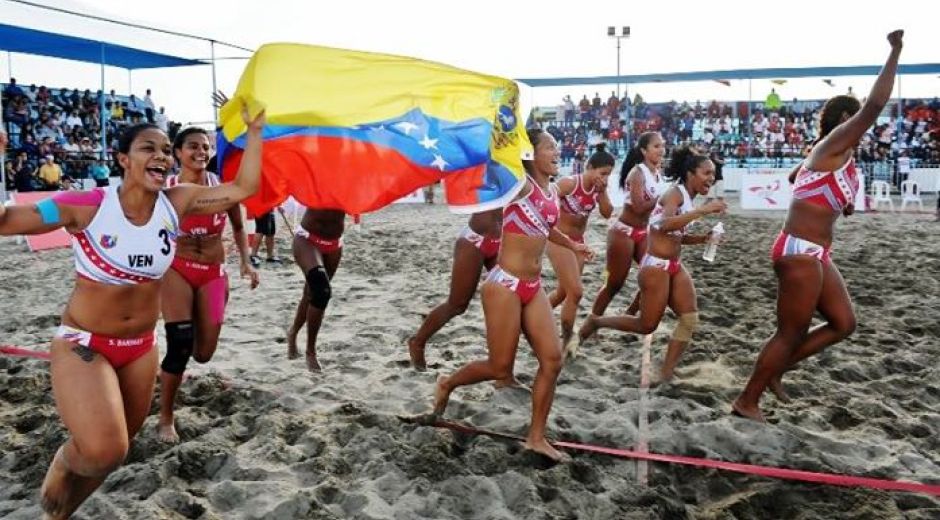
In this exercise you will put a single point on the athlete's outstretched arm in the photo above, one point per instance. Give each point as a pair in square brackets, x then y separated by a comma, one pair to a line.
[207, 200]
[35, 219]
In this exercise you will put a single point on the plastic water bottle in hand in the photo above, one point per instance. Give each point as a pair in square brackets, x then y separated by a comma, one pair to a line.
[711, 248]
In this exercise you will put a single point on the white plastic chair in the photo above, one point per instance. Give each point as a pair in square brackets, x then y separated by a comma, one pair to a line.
[881, 192]
[910, 192]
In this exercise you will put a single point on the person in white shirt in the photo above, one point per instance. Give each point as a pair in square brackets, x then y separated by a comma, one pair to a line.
[73, 120]
[160, 119]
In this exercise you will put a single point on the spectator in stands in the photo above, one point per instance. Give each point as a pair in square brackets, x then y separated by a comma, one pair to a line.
[772, 103]
[569, 110]
[13, 90]
[31, 93]
[160, 119]
[74, 120]
[585, 107]
[24, 173]
[50, 173]
[100, 173]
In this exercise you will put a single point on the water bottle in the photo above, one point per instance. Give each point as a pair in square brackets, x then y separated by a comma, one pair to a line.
[711, 248]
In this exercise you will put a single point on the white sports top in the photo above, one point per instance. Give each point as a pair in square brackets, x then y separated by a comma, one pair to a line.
[656, 217]
[113, 251]
[654, 186]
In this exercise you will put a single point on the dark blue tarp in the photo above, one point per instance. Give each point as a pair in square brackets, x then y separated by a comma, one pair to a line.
[31, 41]
[714, 75]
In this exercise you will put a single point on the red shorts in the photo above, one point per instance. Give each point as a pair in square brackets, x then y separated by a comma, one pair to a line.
[488, 246]
[197, 274]
[787, 245]
[324, 245]
[118, 351]
[524, 289]
[636, 234]
[670, 265]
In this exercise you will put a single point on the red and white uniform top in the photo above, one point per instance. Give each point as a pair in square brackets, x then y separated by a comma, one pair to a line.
[533, 215]
[834, 190]
[580, 202]
[114, 251]
[653, 184]
[657, 216]
[201, 225]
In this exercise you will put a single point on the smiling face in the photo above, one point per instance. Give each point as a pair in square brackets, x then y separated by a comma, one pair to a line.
[547, 155]
[195, 152]
[701, 179]
[148, 159]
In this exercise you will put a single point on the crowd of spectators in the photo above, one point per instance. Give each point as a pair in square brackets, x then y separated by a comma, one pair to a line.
[771, 133]
[55, 134]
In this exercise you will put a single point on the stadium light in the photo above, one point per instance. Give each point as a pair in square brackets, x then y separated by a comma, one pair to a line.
[624, 33]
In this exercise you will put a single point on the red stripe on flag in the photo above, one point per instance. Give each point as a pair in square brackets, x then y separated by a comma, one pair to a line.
[332, 172]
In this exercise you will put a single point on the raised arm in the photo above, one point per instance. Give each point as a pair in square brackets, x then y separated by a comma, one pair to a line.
[207, 200]
[848, 134]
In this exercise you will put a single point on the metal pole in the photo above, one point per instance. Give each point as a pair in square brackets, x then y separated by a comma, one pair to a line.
[9, 65]
[130, 83]
[103, 130]
[3, 151]
[215, 109]
[747, 124]
[618, 66]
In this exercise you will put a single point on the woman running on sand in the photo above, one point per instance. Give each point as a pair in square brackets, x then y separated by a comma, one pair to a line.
[626, 237]
[195, 288]
[513, 299]
[824, 187]
[663, 280]
[476, 249]
[103, 363]
[585, 192]
[318, 248]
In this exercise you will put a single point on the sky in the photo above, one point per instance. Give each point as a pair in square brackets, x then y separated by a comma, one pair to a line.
[509, 38]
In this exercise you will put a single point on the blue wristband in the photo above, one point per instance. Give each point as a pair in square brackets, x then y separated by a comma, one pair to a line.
[48, 210]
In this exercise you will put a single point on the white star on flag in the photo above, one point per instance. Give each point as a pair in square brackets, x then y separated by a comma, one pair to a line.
[428, 143]
[406, 127]
[439, 162]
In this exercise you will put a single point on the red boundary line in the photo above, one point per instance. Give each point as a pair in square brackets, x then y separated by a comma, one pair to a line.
[750, 469]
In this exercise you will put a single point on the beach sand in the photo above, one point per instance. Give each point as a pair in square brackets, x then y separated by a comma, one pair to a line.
[263, 438]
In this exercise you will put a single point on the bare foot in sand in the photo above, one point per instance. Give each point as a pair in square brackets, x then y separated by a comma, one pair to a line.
[542, 447]
[56, 487]
[510, 382]
[312, 364]
[292, 352]
[166, 431]
[587, 328]
[776, 386]
[416, 352]
[661, 377]
[441, 396]
[747, 412]
[571, 347]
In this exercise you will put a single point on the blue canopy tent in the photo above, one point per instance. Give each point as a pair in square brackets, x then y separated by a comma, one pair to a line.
[721, 75]
[42, 43]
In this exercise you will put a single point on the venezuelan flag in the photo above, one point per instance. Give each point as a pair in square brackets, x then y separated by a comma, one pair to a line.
[356, 131]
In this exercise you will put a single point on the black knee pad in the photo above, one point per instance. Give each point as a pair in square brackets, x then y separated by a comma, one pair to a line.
[318, 285]
[180, 337]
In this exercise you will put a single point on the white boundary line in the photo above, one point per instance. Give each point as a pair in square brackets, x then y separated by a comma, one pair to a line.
[642, 443]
